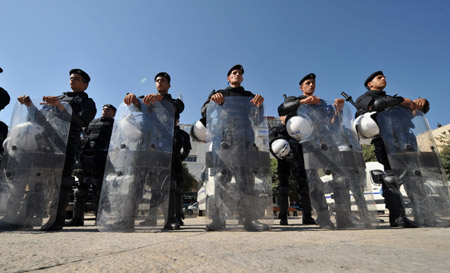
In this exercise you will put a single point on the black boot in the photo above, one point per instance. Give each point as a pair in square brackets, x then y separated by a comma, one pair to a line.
[403, 222]
[172, 226]
[171, 223]
[283, 203]
[78, 214]
[79, 203]
[75, 222]
[283, 219]
[308, 220]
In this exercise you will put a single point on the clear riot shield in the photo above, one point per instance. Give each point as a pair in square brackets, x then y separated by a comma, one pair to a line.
[33, 161]
[239, 185]
[415, 161]
[136, 183]
[335, 168]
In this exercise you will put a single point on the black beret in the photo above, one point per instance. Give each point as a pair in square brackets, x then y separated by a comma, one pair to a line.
[80, 72]
[371, 77]
[1, 70]
[110, 106]
[238, 67]
[164, 75]
[307, 77]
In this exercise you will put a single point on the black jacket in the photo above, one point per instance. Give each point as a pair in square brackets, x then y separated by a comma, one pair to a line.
[99, 134]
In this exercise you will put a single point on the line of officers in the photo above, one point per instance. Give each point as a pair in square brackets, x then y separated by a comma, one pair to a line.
[86, 157]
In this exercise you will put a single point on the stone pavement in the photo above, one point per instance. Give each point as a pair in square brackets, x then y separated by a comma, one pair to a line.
[295, 248]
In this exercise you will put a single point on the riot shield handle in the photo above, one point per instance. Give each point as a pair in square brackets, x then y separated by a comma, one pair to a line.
[349, 99]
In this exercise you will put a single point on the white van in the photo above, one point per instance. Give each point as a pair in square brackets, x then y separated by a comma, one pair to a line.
[374, 172]
[206, 179]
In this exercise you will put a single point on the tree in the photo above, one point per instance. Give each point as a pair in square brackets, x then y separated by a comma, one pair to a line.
[188, 179]
[293, 191]
[368, 153]
[274, 174]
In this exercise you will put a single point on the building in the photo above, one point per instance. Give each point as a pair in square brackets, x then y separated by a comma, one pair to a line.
[440, 136]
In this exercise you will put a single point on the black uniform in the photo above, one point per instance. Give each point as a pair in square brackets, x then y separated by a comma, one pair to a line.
[181, 148]
[378, 100]
[292, 165]
[83, 111]
[92, 163]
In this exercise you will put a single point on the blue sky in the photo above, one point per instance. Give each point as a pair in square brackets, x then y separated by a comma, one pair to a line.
[122, 43]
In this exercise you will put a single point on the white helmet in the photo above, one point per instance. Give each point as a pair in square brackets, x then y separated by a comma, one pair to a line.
[23, 137]
[280, 147]
[300, 128]
[366, 126]
[198, 131]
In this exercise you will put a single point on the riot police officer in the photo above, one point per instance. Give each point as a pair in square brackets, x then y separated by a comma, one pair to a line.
[83, 111]
[242, 138]
[376, 99]
[289, 107]
[162, 82]
[181, 149]
[91, 163]
[291, 162]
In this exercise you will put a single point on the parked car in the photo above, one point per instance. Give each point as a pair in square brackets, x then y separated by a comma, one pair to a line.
[191, 209]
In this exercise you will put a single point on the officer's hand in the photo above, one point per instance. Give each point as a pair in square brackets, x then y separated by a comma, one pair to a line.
[52, 101]
[257, 100]
[24, 100]
[420, 103]
[130, 98]
[310, 100]
[339, 104]
[152, 98]
[408, 103]
[217, 98]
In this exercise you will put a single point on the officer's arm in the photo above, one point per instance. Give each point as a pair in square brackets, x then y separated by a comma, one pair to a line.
[86, 115]
[289, 106]
[204, 107]
[180, 105]
[186, 146]
[273, 133]
[381, 103]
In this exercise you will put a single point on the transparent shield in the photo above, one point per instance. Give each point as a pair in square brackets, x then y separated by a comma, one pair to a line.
[32, 165]
[339, 192]
[415, 160]
[136, 183]
[239, 185]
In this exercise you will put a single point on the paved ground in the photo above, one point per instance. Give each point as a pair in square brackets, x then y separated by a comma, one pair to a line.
[295, 248]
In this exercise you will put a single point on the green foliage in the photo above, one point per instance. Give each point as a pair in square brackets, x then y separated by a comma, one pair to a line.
[188, 179]
[293, 191]
[273, 172]
[368, 153]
